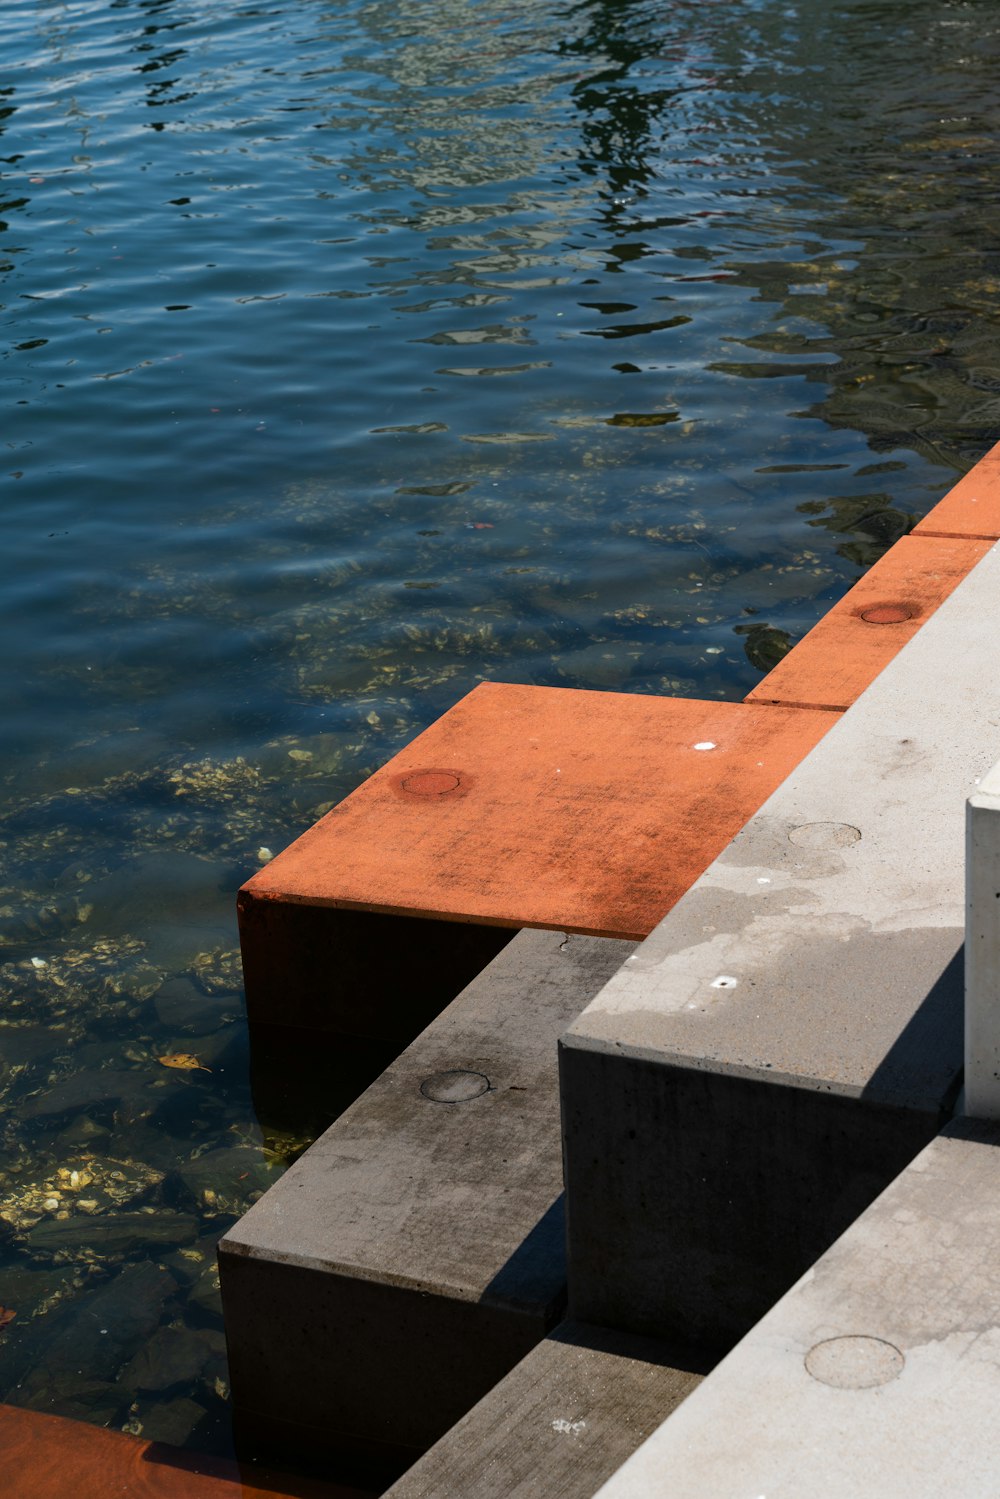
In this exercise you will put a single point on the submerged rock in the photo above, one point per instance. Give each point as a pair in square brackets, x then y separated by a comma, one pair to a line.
[180, 1006]
[173, 1356]
[222, 1181]
[112, 1237]
[88, 1345]
[173, 1421]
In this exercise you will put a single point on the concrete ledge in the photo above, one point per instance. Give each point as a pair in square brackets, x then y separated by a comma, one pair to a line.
[561, 1422]
[416, 1252]
[877, 1375]
[791, 1033]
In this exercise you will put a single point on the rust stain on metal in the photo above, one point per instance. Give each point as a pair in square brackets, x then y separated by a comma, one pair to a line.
[887, 614]
[432, 782]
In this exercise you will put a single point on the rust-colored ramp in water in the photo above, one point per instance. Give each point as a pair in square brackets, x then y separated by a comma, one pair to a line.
[846, 650]
[49, 1457]
[548, 807]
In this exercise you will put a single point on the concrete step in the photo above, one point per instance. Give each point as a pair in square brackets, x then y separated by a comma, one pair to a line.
[877, 1375]
[790, 1036]
[416, 1252]
[570, 1413]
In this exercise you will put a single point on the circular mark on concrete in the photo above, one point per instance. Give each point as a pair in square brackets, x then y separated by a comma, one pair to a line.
[825, 835]
[431, 782]
[455, 1087]
[887, 614]
[855, 1363]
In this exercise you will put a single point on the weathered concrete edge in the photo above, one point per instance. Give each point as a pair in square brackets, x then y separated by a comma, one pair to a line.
[607, 1391]
[880, 1339]
[610, 1020]
[714, 1067]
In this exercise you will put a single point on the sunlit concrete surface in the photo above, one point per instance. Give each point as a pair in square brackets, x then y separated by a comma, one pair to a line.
[878, 1375]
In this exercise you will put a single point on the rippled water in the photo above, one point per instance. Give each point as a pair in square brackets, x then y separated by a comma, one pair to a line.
[353, 354]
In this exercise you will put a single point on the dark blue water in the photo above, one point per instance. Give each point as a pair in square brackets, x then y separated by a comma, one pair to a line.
[352, 354]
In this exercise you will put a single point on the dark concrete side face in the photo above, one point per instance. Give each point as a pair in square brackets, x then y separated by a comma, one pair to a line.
[697, 1199]
[379, 1408]
[357, 973]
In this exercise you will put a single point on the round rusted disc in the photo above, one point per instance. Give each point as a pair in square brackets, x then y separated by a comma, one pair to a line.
[887, 614]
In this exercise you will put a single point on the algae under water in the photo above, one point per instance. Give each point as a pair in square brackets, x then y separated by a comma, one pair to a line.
[353, 354]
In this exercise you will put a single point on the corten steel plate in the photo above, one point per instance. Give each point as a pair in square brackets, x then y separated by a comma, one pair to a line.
[972, 508]
[846, 650]
[50, 1457]
[548, 807]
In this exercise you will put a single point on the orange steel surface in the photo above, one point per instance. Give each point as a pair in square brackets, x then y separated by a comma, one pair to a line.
[548, 807]
[49, 1457]
[846, 650]
[972, 508]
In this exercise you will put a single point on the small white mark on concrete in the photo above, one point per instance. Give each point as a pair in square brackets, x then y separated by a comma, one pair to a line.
[725, 981]
[762, 879]
[705, 744]
[568, 1428]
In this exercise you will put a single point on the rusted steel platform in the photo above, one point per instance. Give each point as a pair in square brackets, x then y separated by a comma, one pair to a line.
[589, 812]
[971, 507]
[844, 653]
[49, 1457]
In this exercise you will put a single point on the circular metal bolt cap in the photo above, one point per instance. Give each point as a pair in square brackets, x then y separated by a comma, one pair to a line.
[887, 614]
[455, 1087]
[855, 1363]
[431, 782]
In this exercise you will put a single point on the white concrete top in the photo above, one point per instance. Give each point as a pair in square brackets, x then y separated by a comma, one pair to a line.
[878, 1375]
[816, 949]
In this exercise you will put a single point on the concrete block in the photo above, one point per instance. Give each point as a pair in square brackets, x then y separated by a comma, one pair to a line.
[843, 654]
[972, 507]
[416, 1252]
[982, 949]
[877, 1375]
[791, 1034]
[561, 1422]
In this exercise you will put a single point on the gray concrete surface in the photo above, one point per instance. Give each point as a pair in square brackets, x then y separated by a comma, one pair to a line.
[416, 1252]
[878, 1375]
[982, 949]
[791, 1033]
[561, 1422]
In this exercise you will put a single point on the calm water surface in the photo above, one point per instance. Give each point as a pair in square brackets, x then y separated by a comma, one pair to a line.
[352, 354]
